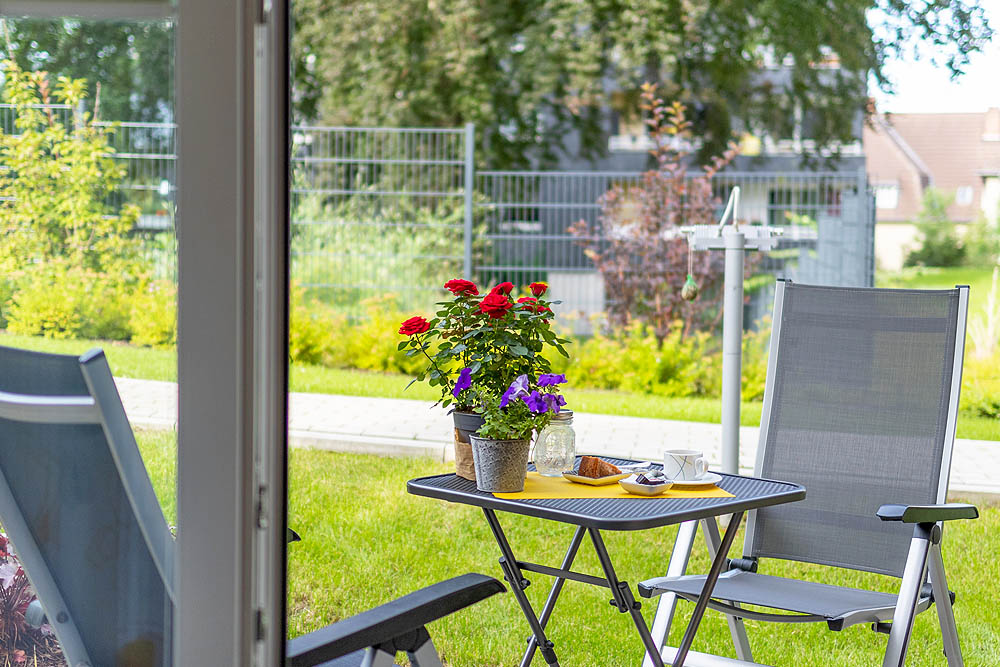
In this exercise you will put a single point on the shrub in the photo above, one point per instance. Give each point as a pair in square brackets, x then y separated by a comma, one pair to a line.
[940, 245]
[153, 316]
[311, 330]
[67, 259]
[634, 243]
[64, 301]
[981, 386]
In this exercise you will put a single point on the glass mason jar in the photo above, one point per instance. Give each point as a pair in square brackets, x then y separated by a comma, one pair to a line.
[555, 449]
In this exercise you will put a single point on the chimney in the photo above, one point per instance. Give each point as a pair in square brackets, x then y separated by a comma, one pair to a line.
[991, 124]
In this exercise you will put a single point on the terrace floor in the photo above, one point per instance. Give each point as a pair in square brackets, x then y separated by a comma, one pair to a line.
[397, 427]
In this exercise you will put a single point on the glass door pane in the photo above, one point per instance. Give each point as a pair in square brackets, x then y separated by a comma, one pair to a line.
[88, 259]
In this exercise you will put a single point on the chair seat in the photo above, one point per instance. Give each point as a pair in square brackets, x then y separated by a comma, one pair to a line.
[804, 597]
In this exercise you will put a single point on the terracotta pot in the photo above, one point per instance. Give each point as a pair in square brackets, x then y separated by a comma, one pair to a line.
[466, 423]
[501, 465]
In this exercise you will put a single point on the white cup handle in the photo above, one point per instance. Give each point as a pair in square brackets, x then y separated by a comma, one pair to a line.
[701, 467]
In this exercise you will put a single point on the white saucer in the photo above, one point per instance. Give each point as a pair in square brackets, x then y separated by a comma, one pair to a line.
[704, 480]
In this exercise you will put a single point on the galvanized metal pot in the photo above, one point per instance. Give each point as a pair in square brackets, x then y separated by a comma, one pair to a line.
[501, 465]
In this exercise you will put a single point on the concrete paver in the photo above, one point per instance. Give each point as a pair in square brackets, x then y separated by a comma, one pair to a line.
[399, 427]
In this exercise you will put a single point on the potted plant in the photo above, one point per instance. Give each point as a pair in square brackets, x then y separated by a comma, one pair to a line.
[492, 339]
[501, 446]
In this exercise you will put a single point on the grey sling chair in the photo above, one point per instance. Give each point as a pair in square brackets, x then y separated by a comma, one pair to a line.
[860, 407]
[81, 513]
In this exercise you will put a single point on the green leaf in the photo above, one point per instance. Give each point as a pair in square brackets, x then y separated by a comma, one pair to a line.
[519, 350]
[402, 345]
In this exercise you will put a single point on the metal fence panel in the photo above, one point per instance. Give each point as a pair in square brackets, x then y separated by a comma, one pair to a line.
[379, 211]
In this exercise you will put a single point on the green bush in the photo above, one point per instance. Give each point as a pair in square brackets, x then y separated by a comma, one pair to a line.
[62, 301]
[940, 245]
[981, 386]
[153, 315]
[311, 330]
[68, 260]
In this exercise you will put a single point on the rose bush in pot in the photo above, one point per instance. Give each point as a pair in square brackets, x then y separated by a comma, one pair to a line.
[487, 339]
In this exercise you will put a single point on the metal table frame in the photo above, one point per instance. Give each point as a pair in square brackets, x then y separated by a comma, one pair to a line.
[454, 489]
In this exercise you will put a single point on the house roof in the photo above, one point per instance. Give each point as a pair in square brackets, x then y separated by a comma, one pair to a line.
[946, 150]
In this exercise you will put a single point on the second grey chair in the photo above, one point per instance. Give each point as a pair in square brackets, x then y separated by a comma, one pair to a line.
[860, 407]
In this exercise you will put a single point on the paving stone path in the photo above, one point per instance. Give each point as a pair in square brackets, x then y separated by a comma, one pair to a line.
[398, 427]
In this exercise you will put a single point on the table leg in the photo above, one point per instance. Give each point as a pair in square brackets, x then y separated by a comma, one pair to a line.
[706, 591]
[512, 573]
[668, 601]
[550, 602]
[737, 631]
[624, 599]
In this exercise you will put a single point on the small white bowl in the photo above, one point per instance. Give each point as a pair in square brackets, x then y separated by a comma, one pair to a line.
[634, 487]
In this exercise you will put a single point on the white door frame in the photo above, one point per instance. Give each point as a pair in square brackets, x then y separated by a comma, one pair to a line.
[232, 372]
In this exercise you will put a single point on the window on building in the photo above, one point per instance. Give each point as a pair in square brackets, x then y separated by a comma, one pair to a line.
[963, 196]
[887, 195]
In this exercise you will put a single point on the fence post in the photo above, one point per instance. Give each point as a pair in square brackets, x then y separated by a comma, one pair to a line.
[470, 170]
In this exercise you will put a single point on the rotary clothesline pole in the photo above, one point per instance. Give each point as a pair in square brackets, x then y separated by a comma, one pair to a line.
[735, 241]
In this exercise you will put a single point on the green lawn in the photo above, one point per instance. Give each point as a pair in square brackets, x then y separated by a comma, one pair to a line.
[138, 362]
[366, 541]
[978, 280]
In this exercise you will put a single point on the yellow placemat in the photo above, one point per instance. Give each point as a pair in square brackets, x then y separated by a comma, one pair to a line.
[537, 487]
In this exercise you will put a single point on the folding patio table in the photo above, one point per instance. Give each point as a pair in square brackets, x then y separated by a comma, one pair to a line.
[591, 516]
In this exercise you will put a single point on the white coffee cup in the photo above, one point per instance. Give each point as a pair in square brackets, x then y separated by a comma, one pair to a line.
[684, 465]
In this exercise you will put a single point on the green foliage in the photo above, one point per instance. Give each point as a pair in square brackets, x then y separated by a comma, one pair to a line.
[63, 301]
[940, 245]
[529, 74]
[153, 318]
[131, 61]
[982, 243]
[68, 264]
[320, 335]
[365, 242]
[632, 360]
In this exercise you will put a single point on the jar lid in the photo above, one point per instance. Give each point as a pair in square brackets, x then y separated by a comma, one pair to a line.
[563, 416]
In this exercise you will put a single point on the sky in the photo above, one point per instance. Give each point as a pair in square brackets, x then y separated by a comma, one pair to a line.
[922, 87]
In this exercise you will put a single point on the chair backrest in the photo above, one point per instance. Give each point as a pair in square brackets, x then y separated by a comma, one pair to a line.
[859, 407]
[78, 506]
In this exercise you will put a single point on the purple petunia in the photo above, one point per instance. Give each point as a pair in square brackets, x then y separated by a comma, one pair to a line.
[535, 402]
[519, 387]
[554, 401]
[549, 379]
[464, 382]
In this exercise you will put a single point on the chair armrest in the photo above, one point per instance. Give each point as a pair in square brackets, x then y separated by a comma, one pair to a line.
[390, 620]
[927, 513]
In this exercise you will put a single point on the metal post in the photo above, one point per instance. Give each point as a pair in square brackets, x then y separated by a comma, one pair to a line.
[732, 341]
[470, 171]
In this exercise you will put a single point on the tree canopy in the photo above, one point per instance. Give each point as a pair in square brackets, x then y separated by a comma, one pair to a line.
[527, 72]
[132, 62]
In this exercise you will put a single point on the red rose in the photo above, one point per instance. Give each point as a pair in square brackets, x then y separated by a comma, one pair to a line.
[538, 289]
[502, 288]
[459, 286]
[495, 304]
[414, 325]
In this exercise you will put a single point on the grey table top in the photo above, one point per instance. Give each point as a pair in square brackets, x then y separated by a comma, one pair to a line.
[617, 513]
